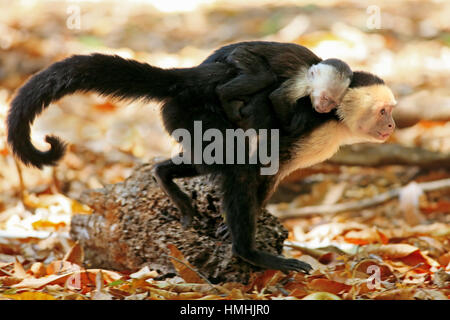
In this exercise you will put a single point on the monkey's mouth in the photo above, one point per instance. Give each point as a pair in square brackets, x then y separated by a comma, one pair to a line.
[384, 136]
[325, 105]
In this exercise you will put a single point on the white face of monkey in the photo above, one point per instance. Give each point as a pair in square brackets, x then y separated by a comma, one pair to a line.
[367, 112]
[328, 87]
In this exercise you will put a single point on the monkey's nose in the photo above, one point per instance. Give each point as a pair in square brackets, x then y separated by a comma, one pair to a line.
[391, 126]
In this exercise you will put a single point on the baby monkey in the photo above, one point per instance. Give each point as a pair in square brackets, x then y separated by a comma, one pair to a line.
[325, 82]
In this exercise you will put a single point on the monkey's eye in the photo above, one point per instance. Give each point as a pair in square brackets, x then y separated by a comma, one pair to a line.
[383, 112]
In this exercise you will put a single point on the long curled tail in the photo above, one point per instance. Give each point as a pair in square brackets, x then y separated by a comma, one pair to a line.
[104, 74]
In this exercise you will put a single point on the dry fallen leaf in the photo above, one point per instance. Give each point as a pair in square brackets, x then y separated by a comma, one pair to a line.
[144, 273]
[75, 255]
[185, 269]
[429, 294]
[366, 236]
[38, 269]
[392, 251]
[444, 259]
[328, 286]
[100, 129]
[37, 283]
[442, 279]
[321, 296]
[45, 225]
[79, 278]
[30, 295]
[19, 271]
[264, 279]
[396, 294]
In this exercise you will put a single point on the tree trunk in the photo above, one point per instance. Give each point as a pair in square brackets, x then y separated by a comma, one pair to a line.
[134, 221]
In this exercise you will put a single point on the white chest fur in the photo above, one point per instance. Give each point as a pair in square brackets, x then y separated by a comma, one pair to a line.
[317, 147]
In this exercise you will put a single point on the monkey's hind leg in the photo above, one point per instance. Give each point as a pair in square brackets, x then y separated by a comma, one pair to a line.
[241, 207]
[164, 173]
[254, 75]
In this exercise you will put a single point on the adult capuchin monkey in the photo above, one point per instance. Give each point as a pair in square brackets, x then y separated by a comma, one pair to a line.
[189, 95]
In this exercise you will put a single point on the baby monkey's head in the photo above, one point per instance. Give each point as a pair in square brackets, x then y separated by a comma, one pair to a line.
[329, 80]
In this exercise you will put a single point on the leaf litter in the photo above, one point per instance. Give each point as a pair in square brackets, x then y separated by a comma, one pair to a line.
[398, 249]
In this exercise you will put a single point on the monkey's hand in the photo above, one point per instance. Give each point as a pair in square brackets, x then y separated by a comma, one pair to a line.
[270, 261]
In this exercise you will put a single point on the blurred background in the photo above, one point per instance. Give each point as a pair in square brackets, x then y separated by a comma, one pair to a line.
[407, 43]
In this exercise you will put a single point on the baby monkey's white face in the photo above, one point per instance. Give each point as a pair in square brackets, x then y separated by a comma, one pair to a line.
[328, 87]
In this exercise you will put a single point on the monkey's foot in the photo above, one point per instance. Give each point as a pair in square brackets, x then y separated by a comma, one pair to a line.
[295, 265]
[187, 214]
[270, 261]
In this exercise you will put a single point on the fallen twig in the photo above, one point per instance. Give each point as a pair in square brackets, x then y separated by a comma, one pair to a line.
[389, 154]
[354, 205]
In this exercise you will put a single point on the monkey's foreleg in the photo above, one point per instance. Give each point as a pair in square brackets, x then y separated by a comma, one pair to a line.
[241, 207]
[284, 108]
[164, 173]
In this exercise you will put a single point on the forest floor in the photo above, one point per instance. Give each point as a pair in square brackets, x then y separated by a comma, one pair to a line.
[397, 249]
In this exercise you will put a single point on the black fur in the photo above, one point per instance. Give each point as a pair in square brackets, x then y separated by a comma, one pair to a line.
[189, 95]
[365, 79]
[284, 58]
[107, 75]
